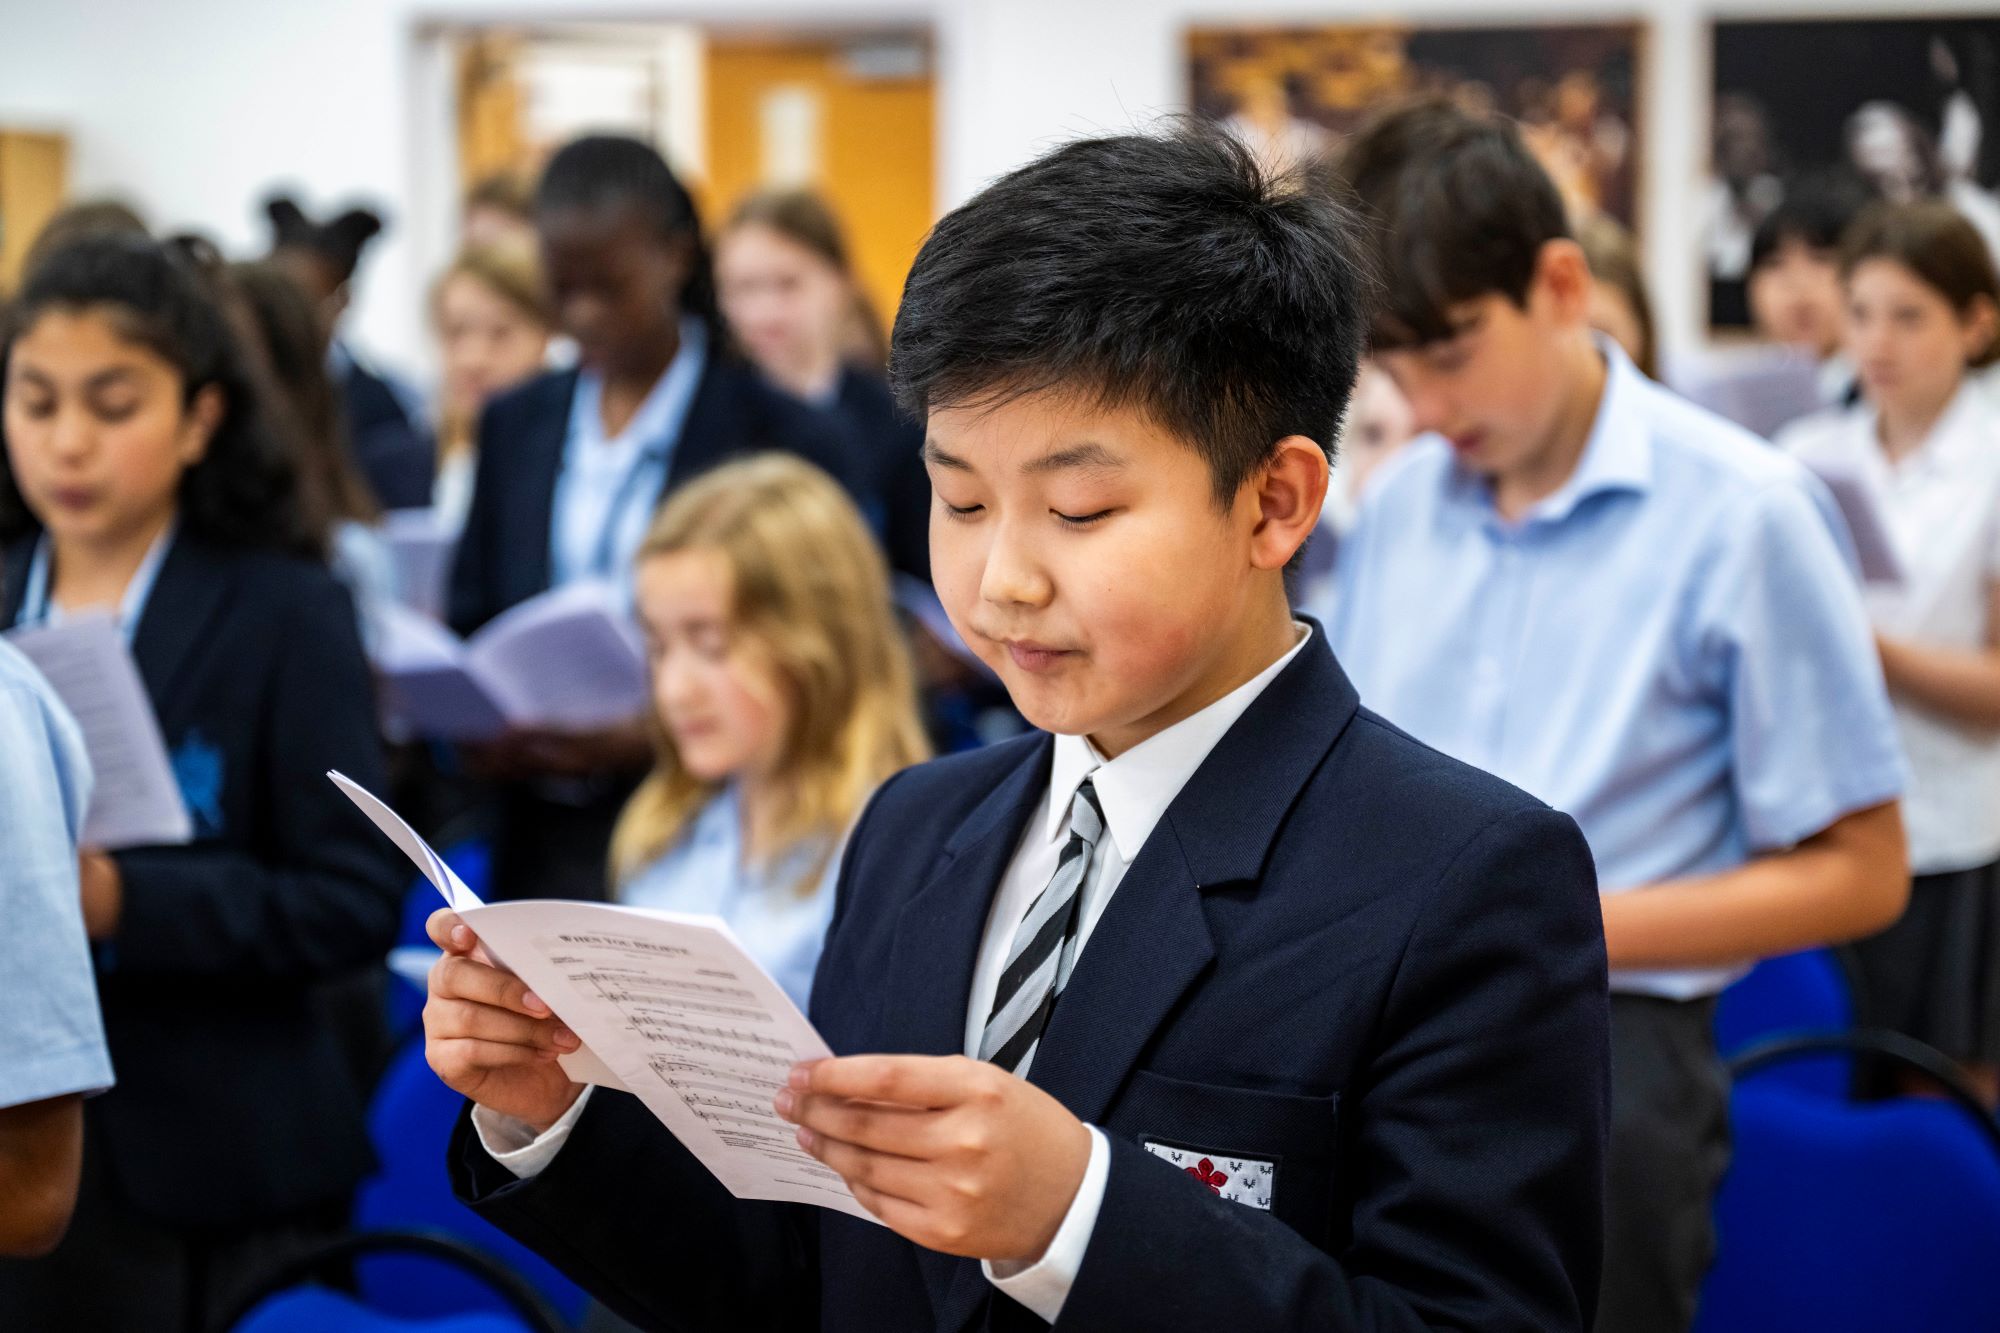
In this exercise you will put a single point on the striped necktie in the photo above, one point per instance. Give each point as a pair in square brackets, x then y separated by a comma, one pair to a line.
[1044, 948]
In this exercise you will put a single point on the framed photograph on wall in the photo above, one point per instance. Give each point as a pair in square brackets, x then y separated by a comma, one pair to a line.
[1905, 106]
[1294, 91]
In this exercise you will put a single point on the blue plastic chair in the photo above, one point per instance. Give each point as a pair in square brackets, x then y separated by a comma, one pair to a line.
[472, 860]
[410, 1123]
[1795, 993]
[285, 1302]
[1861, 1217]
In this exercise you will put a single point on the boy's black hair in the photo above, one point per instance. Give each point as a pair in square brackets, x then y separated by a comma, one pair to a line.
[1816, 211]
[244, 491]
[1458, 209]
[339, 241]
[600, 172]
[1166, 273]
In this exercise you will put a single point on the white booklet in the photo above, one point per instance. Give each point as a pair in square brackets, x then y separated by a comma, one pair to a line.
[135, 800]
[569, 659]
[670, 1007]
[421, 545]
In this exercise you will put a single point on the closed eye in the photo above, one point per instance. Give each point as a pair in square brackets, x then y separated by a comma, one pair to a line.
[961, 512]
[1083, 520]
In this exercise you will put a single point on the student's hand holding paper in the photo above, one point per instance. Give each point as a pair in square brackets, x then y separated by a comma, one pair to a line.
[952, 1153]
[490, 1038]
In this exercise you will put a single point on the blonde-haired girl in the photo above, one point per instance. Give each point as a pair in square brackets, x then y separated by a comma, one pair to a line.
[783, 696]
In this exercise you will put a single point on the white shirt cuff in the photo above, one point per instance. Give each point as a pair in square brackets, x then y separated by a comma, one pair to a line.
[515, 1145]
[1044, 1285]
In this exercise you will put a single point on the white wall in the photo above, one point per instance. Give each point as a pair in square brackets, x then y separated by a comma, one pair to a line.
[194, 109]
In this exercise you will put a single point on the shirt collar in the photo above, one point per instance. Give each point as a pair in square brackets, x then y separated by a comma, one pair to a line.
[656, 425]
[1136, 788]
[1618, 455]
[38, 605]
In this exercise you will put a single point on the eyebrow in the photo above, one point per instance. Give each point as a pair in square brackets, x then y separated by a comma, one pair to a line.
[1088, 456]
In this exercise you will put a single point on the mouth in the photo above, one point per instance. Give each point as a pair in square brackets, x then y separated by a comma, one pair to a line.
[74, 499]
[1037, 657]
[1467, 442]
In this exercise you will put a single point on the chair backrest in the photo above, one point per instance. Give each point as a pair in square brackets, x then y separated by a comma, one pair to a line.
[1835, 1217]
[410, 1123]
[1798, 992]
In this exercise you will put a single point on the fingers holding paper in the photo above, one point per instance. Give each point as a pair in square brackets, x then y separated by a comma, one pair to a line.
[490, 1038]
[952, 1153]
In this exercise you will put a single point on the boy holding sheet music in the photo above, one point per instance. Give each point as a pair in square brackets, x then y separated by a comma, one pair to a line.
[1227, 1005]
[1631, 608]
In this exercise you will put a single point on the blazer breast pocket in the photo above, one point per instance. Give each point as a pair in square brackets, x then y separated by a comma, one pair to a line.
[1253, 1147]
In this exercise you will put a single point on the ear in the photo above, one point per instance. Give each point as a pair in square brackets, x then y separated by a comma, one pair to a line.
[1979, 325]
[1290, 489]
[1562, 279]
[204, 418]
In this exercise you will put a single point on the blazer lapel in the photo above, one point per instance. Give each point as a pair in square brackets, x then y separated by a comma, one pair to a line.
[714, 427]
[544, 442]
[937, 943]
[191, 592]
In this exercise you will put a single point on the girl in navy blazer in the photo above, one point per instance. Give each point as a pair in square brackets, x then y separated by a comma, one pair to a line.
[573, 464]
[138, 479]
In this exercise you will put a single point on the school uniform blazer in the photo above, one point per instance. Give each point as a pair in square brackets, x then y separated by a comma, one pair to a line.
[235, 1102]
[503, 554]
[395, 454]
[891, 454]
[1340, 952]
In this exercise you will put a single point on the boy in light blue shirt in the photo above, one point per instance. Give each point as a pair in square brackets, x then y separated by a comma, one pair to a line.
[1636, 612]
[52, 1047]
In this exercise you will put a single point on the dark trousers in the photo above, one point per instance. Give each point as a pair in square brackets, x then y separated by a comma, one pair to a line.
[120, 1271]
[1669, 1145]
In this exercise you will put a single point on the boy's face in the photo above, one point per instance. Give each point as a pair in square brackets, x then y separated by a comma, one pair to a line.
[1081, 554]
[1795, 298]
[1494, 389]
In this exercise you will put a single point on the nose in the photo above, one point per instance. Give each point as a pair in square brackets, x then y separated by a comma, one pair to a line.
[1012, 576]
[72, 435]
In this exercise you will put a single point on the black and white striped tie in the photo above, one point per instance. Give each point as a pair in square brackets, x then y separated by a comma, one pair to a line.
[1044, 948]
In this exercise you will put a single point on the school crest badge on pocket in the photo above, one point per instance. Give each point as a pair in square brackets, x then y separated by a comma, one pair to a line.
[1238, 1179]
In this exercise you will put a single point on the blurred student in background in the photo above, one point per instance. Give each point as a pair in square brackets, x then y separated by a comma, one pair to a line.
[52, 1050]
[384, 428]
[499, 210]
[1620, 307]
[572, 465]
[140, 479]
[1795, 291]
[1597, 591]
[783, 697]
[490, 311]
[338, 508]
[1923, 307]
[792, 302]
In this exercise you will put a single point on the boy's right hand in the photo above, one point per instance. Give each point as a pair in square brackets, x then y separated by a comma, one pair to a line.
[489, 1037]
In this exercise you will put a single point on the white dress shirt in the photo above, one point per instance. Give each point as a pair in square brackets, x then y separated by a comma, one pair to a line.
[1941, 506]
[1134, 790]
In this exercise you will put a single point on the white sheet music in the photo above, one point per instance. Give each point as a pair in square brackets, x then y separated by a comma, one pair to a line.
[1873, 547]
[134, 800]
[670, 1007]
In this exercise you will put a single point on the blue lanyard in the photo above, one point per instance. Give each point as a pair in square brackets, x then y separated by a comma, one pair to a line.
[38, 609]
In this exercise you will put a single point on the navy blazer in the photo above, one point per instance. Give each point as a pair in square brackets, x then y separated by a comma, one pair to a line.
[891, 456]
[236, 1102]
[1339, 951]
[395, 453]
[503, 554]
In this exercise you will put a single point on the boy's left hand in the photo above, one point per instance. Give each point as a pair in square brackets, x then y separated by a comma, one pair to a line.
[953, 1153]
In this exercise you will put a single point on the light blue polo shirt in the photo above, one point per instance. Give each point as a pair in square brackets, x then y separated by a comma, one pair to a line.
[1670, 648]
[51, 1034]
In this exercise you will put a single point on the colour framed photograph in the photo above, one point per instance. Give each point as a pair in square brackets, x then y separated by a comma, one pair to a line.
[1574, 87]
